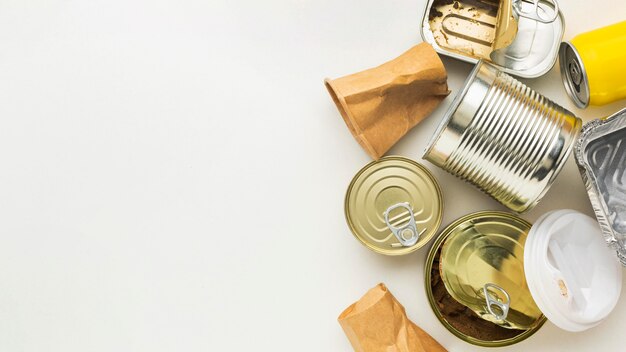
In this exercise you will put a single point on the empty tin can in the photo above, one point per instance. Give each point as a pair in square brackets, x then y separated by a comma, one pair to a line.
[504, 138]
[601, 156]
[520, 37]
[394, 206]
[592, 66]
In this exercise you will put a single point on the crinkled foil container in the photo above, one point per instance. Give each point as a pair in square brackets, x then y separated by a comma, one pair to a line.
[601, 156]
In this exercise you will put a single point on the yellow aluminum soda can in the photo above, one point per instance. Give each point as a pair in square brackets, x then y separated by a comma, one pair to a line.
[592, 66]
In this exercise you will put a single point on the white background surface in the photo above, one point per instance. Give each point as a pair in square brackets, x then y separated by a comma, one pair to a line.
[173, 172]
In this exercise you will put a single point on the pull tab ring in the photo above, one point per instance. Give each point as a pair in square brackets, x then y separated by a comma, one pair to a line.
[406, 234]
[534, 15]
[504, 306]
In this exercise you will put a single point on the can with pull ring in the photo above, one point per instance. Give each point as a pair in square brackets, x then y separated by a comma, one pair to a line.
[493, 279]
[394, 206]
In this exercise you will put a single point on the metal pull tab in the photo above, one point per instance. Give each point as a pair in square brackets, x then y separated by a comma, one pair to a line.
[503, 306]
[407, 234]
[534, 14]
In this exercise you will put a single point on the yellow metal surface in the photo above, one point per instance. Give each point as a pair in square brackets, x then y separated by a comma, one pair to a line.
[382, 184]
[603, 52]
[430, 259]
[506, 26]
[489, 249]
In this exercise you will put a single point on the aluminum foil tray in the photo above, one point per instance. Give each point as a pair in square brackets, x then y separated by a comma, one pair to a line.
[601, 156]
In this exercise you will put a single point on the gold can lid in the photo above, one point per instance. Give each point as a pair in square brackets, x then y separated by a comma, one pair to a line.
[394, 206]
[482, 267]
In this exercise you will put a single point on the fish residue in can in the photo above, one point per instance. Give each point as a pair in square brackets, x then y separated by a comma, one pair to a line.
[592, 66]
[464, 28]
[521, 37]
[504, 138]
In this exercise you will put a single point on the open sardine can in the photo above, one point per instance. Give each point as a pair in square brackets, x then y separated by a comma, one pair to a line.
[520, 37]
[601, 157]
[493, 280]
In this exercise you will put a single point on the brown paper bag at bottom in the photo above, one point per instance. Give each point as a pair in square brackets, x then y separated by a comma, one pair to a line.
[382, 104]
[378, 323]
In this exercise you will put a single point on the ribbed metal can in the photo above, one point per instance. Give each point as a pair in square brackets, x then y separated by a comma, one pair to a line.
[503, 137]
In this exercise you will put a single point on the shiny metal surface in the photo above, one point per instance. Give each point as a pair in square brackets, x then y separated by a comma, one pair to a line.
[535, 48]
[484, 252]
[469, 35]
[372, 205]
[536, 12]
[592, 65]
[406, 234]
[430, 260]
[601, 155]
[574, 75]
[496, 306]
[504, 138]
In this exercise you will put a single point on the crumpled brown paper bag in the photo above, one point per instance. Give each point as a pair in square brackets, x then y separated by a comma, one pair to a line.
[382, 104]
[378, 323]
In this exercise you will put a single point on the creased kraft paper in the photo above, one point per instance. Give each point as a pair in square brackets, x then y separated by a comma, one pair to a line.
[382, 104]
[378, 323]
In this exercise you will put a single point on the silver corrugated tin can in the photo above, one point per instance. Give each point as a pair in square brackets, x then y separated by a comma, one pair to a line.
[503, 137]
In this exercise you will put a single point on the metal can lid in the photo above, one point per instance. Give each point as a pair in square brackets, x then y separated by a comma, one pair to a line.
[574, 75]
[482, 267]
[394, 206]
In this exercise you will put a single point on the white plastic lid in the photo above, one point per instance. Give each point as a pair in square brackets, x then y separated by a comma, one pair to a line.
[573, 276]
